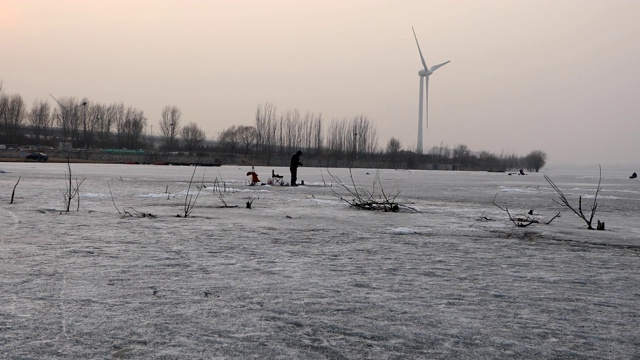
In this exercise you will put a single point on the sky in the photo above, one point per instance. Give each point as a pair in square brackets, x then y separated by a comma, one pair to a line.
[560, 76]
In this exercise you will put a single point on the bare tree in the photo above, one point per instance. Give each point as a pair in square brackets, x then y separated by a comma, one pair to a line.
[229, 139]
[393, 149]
[536, 160]
[307, 129]
[489, 161]
[266, 130]
[118, 117]
[365, 135]
[12, 114]
[87, 124]
[40, 119]
[291, 131]
[4, 109]
[352, 137]
[192, 135]
[131, 128]
[511, 162]
[247, 137]
[336, 138]
[393, 146]
[169, 125]
[68, 117]
[103, 123]
[461, 153]
[318, 138]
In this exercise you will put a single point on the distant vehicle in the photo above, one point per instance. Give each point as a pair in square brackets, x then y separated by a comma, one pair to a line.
[38, 156]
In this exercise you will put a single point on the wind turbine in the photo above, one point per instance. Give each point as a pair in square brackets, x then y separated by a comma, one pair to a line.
[424, 92]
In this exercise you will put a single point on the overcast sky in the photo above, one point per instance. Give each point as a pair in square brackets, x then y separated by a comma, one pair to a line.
[556, 75]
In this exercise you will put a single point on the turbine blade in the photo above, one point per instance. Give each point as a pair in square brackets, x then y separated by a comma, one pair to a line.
[55, 100]
[435, 67]
[424, 63]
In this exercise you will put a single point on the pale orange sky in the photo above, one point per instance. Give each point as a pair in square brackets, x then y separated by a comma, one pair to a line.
[557, 75]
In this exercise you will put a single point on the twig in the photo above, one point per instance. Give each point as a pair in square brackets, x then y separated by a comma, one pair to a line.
[137, 214]
[221, 190]
[14, 190]
[112, 200]
[189, 200]
[72, 191]
[521, 221]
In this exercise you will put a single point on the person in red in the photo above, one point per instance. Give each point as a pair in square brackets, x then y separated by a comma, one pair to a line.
[254, 177]
[295, 162]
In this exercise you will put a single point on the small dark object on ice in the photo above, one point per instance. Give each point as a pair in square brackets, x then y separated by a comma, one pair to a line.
[633, 176]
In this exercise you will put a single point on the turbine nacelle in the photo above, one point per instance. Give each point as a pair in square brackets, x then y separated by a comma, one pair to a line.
[427, 72]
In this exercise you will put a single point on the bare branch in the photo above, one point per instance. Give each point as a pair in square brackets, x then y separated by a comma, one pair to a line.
[16, 185]
[521, 221]
[113, 201]
[549, 222]
[189, 199]
[368, 200]
[565, 202]
[72, 190]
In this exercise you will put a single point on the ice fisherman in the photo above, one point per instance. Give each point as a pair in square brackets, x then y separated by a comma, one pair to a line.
[295, 162]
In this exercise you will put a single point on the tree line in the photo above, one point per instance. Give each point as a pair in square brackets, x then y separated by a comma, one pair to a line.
[282, 134]
[270, 140]
[87, 124]
[353, 139]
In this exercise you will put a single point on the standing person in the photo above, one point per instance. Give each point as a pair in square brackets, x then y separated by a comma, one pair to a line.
[295, 162]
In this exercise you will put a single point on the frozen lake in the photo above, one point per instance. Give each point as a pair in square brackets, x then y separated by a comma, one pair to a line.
[301, 275]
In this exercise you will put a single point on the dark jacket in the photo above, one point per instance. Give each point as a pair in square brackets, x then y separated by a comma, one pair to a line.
[295, 160]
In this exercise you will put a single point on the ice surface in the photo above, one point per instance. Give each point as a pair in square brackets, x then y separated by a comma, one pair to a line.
[301, 275]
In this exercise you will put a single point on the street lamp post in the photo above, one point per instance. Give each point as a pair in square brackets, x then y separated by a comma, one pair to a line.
[355, 145]
[173, 131]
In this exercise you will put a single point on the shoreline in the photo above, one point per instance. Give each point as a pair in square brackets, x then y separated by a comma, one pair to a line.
[59, 160]
[86, 161]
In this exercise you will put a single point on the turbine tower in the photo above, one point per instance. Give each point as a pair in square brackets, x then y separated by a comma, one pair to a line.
[424, 92]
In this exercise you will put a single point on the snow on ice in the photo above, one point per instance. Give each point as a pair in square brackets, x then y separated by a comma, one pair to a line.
[301, 275]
